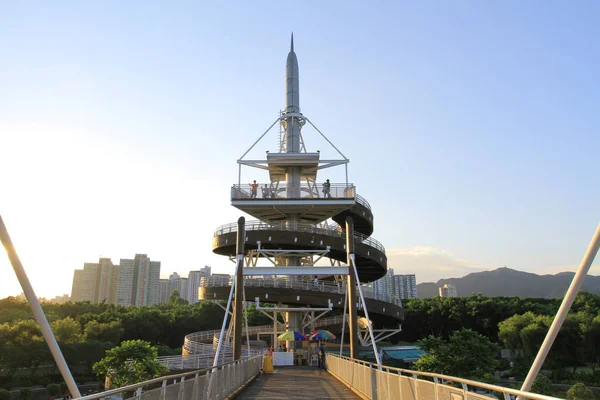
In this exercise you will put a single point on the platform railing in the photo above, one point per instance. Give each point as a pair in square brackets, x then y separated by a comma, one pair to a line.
[204, 357]
[195, 385]
[256, 225]
[269, 191]
[362, 201]
[300, 283]
[195, 347]
[372, 382]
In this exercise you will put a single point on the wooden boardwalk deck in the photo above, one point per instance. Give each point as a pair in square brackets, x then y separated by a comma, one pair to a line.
[297, 383]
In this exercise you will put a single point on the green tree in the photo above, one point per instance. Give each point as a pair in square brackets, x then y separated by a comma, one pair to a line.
[23, 332]
[53, 389]
[66, 330]
[25, 394]
[580, 392]
[133, 361]
[103, 332]
[176, 299]
[542, 385]
[5, 395]
[466, 354]
[64, 388]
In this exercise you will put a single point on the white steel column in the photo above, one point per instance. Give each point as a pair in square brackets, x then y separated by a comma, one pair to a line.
[567, 302]
[344, 319]
[362, 298]
[240, 258]
[36, 308]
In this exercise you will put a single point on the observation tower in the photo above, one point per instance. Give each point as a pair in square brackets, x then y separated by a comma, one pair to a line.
[310, 240]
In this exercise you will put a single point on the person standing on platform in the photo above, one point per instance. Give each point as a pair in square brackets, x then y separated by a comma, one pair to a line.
[327, 189]
[265, 192]
[254, 187]
[321, 355]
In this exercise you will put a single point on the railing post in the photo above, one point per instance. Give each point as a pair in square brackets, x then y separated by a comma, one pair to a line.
[195, 393]
[138, 393]
[181, 392]
[163, 390]
[237, 308]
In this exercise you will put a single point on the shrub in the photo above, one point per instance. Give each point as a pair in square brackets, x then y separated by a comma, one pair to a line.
[53, 389]
[542, 385]
[25, 394]
[64, 389]
[5, 395]
[580, 392]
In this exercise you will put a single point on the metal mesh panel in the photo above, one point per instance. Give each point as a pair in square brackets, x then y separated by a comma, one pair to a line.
[172, 391]
[446, 392]
[394, 386]
[383, 384]
[189, 390]
[153, 394]
[425, 390]
[201, 388]
[408, 388]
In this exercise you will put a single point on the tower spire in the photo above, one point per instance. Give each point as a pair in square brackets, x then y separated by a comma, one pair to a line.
[292, 46]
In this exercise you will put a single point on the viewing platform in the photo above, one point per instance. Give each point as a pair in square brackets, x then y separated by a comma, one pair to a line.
[314, 202]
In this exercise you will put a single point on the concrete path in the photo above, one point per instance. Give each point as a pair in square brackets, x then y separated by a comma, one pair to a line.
[297, 383]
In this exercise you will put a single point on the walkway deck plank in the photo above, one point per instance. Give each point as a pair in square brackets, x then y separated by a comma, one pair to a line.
[297, 383]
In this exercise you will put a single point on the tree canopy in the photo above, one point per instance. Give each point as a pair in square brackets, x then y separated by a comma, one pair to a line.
[466, 354]
[133, 361]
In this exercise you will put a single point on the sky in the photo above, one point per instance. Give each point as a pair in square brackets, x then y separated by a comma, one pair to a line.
[472, 128]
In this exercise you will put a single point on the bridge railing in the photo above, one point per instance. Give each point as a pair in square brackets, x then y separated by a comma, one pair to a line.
[268, 191]
[256, 225]
[300, 284]
[395, 383]
[205, 384]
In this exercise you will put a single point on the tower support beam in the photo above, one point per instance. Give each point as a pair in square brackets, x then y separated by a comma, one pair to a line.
[239, 289]
[352, 318]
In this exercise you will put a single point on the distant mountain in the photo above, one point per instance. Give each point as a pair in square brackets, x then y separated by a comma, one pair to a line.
[509, 282]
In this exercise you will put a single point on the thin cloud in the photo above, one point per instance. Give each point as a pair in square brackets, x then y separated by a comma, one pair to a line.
[430, 264]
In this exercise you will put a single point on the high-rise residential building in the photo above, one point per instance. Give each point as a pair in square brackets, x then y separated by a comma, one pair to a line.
[106, 281]
[448, 290]
[385, 286]
[144, 281]
[163, 296]
[96, 282]
[178, 283]
[133, 282]
[405, 286]
[124, 283]
[193, 282]
[84, 283]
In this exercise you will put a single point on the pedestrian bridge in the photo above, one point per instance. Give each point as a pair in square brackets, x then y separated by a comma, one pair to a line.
[344, 378]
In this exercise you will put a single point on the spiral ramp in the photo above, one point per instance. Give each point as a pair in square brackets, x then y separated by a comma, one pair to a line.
[299, 232]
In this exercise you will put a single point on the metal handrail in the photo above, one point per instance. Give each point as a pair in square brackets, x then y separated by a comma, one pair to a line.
[361, 200]
[165, 380]
[301, 284]
[436, 378]
[205, 349]
[270, 190]
[257, 225]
